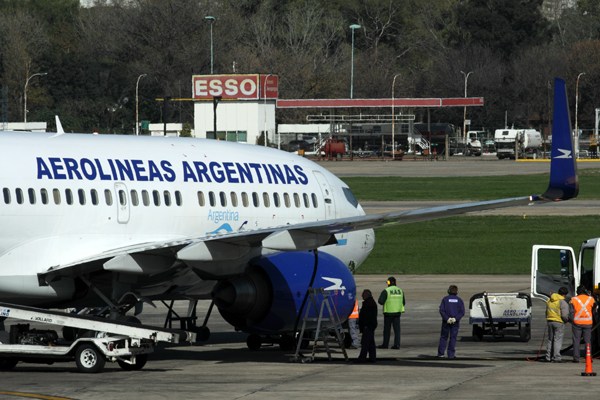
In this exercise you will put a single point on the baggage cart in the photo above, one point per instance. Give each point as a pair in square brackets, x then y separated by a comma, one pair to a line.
[500, 314]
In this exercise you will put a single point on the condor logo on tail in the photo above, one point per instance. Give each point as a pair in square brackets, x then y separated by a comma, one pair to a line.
[565, 154]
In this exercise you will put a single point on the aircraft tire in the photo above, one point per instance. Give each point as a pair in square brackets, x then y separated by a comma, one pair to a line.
[7, 363]
[286, 343]
[254, 341]
[129, 318]
[140, 361]
[89, 359]
[202, 333]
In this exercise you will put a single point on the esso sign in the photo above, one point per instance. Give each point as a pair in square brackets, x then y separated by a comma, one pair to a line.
[234, 86]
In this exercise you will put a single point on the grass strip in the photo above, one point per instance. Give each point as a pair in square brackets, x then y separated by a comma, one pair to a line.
[478, 188]
[473, 245]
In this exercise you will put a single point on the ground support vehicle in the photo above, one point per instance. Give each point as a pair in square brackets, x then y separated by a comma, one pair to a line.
[500, 314]
[99, 340]
[474, 142]
[555, 266]
[525, 142]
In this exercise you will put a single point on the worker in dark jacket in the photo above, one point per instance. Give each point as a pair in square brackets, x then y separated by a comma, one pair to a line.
[452, 309]
[367, 322]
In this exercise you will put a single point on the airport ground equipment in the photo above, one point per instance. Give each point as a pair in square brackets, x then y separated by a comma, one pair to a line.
[524, 143]
[318, 300]
[555, 266]
[500, 314]
[99, 340]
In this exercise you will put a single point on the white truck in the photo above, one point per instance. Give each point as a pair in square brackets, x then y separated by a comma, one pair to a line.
[473, 147]
[527, 141]
[555, 266]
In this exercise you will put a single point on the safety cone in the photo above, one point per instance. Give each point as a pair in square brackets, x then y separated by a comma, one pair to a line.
[588, 363]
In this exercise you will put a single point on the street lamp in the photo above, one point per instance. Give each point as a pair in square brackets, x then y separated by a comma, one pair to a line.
[137, 127]
[212, 20]
[25, 94]
[393, 118]
[576, 104]
[465, 110]
[353, 27]
[265, 106]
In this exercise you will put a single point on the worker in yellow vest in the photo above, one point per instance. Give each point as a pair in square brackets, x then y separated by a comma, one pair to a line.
[393, 301]
[352, 321]
[581, 316]
[557, 314]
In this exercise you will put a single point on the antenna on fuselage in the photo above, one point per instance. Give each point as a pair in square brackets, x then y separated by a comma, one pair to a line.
[59, 127]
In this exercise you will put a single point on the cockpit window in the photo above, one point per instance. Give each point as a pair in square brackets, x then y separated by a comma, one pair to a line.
[350, 197]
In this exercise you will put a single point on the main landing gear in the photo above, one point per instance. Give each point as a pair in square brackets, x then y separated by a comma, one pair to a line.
[286, 342]
[188, 323]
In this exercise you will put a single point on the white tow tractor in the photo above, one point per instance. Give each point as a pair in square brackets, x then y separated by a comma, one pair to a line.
[555, 266]
[99, 340]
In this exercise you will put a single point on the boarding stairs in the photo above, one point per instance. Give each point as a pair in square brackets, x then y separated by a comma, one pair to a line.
[318, 300]
[419, 140]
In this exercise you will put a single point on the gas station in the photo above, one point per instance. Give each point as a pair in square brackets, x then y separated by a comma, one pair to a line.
[242, 108]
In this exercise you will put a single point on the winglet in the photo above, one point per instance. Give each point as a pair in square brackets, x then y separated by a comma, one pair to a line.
[564, 182]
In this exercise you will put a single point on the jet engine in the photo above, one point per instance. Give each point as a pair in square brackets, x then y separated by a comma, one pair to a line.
[269, 295]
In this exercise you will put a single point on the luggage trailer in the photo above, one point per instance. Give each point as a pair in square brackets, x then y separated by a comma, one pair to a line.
[500, 314]
[99, 340]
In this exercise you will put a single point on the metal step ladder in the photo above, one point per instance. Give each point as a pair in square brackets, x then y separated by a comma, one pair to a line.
[321, 331]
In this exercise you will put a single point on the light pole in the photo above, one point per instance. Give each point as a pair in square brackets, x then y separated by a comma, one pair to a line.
[465, 110]
[25, 94]
[265, 106]
[353, 27]
[212, 20]
[137, 127]
[393, 119]
[576, 104]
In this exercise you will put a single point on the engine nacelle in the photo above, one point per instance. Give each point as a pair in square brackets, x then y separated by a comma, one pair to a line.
[268, 296]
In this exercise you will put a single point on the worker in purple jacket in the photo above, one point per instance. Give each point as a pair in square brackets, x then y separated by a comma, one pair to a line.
[452, 310]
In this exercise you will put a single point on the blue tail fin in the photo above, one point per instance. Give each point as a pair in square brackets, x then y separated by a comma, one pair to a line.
[564, 182]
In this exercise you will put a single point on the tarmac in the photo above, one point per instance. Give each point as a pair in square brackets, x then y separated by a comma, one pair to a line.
[224, 368]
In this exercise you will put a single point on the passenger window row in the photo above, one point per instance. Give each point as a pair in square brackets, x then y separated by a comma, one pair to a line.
[154, 197]
[266, 198]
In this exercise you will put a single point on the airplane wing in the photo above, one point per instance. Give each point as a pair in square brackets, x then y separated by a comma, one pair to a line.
[231, 246]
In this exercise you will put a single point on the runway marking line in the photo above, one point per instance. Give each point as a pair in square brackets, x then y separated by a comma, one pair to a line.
[34, 396]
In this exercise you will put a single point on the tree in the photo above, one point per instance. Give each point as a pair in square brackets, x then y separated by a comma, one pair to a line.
[577, 24]
[585, 57]
[532, 79]
[186, 130]
[503, 25]
[22, 42]
[261, 140]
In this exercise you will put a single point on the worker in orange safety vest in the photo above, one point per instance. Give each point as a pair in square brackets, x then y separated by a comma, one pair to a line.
[581, 315]
[352, 322]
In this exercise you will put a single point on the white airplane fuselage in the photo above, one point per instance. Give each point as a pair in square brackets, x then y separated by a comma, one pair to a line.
[66, 197]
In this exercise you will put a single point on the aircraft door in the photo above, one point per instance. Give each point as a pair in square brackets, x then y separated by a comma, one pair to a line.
[122, 202]
[327, 193]
[551, 268]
